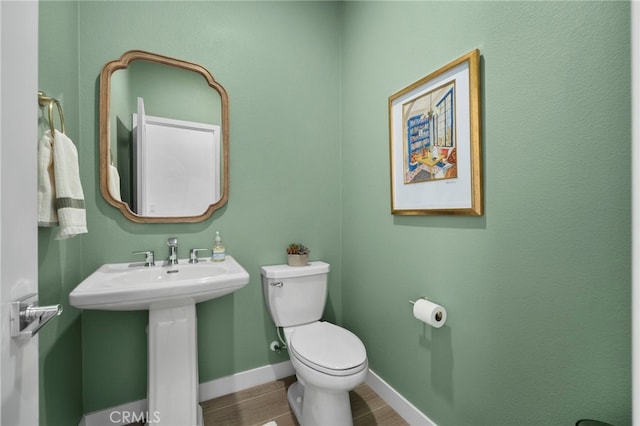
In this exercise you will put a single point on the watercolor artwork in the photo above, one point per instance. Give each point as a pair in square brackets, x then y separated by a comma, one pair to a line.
[429, 136]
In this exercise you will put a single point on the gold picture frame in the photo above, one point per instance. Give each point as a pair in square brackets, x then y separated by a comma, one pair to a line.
[434, 142]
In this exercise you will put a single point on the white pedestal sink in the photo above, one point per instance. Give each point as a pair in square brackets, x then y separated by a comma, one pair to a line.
[170, 293]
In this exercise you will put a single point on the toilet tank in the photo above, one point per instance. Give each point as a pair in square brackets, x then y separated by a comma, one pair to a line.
[295, 295]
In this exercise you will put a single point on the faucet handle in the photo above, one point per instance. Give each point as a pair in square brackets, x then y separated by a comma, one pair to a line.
[193, 255]
[149, 257]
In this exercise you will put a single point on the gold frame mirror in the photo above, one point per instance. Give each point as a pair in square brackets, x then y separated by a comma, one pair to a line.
[106, 138]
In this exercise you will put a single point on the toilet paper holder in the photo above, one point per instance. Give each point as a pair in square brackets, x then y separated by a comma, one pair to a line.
[413, 302]
[438, 314]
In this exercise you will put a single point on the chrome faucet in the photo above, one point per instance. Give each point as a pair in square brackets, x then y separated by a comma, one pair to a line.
[173, 251]
[193, 255]
[149, 257]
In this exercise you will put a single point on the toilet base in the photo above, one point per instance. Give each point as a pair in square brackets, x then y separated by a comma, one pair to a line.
[294, 396]
[319, 407]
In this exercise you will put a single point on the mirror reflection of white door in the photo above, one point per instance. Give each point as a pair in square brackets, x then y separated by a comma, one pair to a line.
[177, 165]
[18, 205]
[139, 136]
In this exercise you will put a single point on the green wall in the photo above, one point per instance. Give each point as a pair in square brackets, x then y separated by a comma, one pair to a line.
[280, 65]
[284, 181]
[537, 289]
[59, 262]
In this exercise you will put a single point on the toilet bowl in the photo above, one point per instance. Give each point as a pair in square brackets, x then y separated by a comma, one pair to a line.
[329, 360]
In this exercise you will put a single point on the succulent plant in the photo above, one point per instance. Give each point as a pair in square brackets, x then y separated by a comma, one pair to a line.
[297, 248]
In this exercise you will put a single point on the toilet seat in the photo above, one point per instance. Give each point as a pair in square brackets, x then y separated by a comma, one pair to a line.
[327, 348]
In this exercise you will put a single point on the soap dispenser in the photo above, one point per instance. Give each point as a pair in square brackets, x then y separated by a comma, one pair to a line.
[218, 251]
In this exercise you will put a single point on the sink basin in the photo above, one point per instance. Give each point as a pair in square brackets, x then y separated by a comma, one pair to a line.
[127, 287]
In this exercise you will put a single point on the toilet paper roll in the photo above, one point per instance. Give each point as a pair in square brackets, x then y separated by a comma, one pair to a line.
[430, 313]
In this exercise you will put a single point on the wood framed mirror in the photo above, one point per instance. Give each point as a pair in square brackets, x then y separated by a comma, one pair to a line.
[164, 139]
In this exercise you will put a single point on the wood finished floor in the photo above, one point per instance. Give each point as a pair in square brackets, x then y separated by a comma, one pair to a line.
[268, 402]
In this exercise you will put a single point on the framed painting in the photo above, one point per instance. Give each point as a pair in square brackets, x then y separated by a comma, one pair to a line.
[434, 142]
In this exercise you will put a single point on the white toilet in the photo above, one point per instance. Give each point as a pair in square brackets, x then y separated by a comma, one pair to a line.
[329, 361]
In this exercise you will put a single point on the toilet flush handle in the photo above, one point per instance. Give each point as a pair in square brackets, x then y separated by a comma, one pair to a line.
[277, 284]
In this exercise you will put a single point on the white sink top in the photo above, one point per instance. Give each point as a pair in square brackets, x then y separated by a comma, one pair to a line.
[131, 286]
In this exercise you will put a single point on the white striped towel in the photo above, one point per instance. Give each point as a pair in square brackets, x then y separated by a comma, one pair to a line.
[47, 215]
[62, 196]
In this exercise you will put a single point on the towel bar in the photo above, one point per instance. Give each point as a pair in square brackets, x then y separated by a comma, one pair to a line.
[45, 100]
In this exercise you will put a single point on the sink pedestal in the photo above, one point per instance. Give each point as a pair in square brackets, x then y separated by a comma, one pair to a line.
[170, 293]
[172, 385]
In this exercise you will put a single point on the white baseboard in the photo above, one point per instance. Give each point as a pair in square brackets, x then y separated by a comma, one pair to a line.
[399, 403]
[130, 412]
[123, 414]
[245, 380]
[120, 415]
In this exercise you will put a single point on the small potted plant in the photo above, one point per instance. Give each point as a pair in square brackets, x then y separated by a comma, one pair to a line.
[298, 254]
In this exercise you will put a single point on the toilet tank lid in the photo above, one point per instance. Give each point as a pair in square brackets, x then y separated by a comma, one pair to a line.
[286, 271]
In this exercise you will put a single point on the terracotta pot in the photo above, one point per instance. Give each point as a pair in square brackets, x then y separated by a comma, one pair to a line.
[297, 259]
